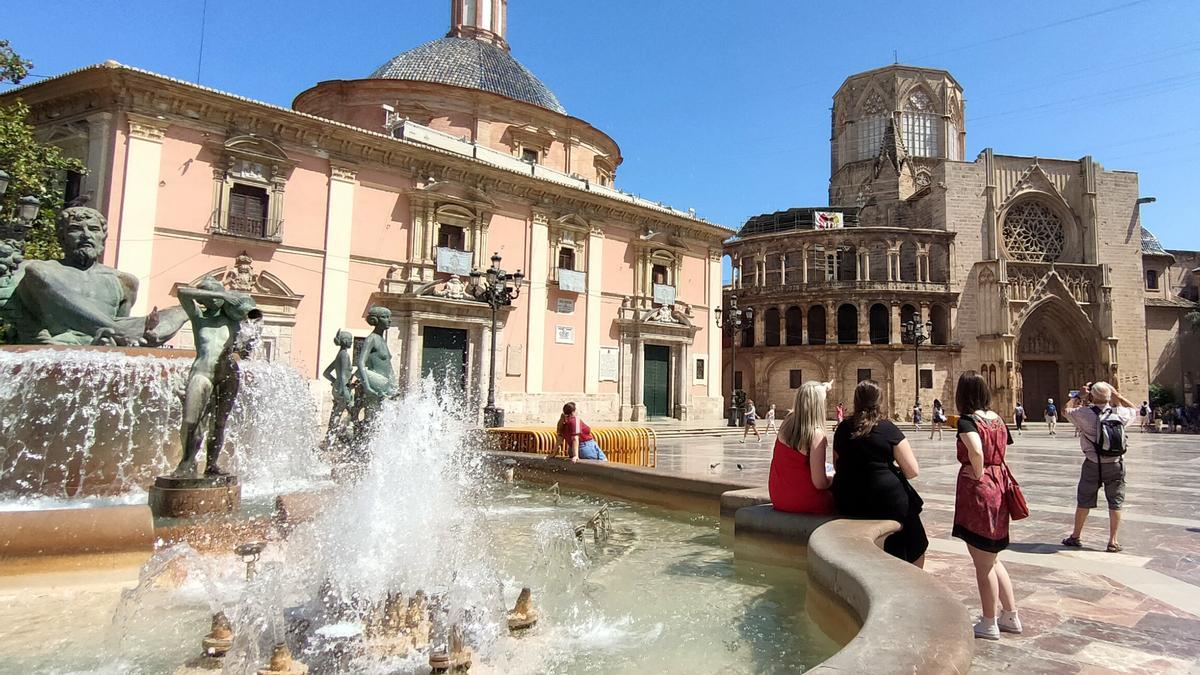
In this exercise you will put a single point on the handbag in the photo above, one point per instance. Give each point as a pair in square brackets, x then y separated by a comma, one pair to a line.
[1018, 508]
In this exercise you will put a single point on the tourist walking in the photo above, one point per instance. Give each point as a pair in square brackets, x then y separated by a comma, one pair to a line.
[938, 420]
[1101, 415]
[873, 463]
[980, 511]
[577, 437]
[799, 482]
[1144, 415]
[771, 420]
[1019, 417]
[1051, 413]
[749, 422]
[916, 416]
[841, 412]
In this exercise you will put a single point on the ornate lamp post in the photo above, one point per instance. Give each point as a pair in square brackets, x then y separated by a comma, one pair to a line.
[733, 323]
[917, 332]
[27, 212]
[492, 286]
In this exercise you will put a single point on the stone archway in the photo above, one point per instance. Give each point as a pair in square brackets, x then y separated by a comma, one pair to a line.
[1057, 350]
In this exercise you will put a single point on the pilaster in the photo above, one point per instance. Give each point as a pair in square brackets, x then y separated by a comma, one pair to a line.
[139, 204]
[335, 273]
[714, 334]
[595, 266]
[539, 270]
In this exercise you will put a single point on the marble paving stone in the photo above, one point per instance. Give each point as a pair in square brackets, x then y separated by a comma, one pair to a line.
[1078, 615]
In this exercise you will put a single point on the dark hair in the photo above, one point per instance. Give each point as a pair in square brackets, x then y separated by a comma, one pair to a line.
[972, 393]
[867, 408]
[937, 402]
[569, 409]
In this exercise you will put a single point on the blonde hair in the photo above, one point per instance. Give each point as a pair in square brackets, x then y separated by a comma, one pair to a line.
[806, 418]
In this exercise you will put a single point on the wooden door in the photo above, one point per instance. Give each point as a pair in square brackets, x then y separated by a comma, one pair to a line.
[656, 388]
[444, 355]
[1040, 380]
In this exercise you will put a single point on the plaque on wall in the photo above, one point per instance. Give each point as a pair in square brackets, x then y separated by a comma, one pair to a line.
[564, 335]
[570, 280]
[609, 364]
[664, 294]
[564, 306]
[514, 360]
[453, 261]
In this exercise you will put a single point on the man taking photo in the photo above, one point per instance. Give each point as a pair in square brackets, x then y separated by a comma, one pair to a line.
[1100, 414]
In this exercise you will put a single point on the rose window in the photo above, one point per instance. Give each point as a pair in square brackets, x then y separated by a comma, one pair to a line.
[1033, 233]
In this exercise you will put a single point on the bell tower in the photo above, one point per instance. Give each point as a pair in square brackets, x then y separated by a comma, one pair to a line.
[485, 20]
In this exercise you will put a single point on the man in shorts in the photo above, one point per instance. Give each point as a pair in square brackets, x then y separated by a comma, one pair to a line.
[1051, 413]
[1108, 472]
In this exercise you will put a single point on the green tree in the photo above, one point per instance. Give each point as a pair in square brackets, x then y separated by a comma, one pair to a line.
[34, 168]
[1160, 395]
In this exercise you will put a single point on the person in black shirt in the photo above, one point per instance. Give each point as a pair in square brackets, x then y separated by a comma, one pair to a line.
[874, 463]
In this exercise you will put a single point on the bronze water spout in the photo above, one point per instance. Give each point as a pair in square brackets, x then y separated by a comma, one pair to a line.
[219, 638]
[523, 615]
[282, 663]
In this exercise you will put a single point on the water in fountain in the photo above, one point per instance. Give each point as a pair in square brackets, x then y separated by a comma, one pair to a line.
[89, 422]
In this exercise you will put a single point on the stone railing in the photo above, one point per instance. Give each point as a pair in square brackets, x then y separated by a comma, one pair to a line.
[818, 286]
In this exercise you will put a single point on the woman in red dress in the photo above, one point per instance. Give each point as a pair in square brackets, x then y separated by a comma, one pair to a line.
[980, 512]
[798, 482]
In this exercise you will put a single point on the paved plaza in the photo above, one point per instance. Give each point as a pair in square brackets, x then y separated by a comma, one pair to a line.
[1084, 611]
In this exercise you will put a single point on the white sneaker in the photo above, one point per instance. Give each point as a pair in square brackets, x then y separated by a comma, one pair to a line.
[986, 628]
[1009, 622]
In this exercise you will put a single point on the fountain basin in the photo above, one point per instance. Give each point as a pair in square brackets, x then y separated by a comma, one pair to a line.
[57, 532]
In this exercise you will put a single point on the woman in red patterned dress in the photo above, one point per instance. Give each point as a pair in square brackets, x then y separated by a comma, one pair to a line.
[980, 512]
[798, 482]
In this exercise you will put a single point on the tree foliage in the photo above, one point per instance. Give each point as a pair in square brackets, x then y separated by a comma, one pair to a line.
[1160, 395]
[34, 168]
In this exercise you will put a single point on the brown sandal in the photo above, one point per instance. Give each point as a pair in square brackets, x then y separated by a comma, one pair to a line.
[1114, 548]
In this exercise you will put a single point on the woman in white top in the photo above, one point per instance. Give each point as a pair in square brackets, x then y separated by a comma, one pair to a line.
[771, 419]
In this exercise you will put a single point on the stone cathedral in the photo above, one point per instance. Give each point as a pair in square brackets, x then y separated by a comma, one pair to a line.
[1028, 269]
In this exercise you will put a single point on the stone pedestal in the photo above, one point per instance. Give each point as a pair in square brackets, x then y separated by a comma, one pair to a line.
[172, 497]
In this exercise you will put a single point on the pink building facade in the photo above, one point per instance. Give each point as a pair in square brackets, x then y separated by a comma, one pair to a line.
[389, 191]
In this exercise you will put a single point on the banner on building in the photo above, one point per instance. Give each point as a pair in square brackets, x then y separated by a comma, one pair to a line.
[827, 220]
[664, 294]
[570, 280]
[453, 261]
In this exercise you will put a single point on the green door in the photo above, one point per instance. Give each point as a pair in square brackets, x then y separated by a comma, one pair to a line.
[444, 355]
[656, 388]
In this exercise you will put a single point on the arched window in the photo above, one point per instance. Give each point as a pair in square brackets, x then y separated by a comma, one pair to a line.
[816, 325]
[908, 261]
[566, 258]
[881, 327]
[748, 335]
[907, 313]
[659, 274]
[939, 263]
[771, 327]
[451, 236]
[847, 324]
[1151, 280]
[795, 331]
[870, 127]
[939, 316]
[920, 125]
[1033, 232]
[847, 257]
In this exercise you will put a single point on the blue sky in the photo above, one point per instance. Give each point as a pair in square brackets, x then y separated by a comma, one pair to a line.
[721, 106]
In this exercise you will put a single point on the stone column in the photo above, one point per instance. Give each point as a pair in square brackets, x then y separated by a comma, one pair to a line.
[924, 313]
[857, 265]
[539, 270]
[638, 352]
[804, 265]
[412, 354]
[139, 205]
[864, 323]
[782, 309]
[714, 334]
[783, 268]
[894, 337]
[335, 275]
[98, 180]
[481, 343]
[595, 266]
[803, 325]
[760, 326]
[831, 323]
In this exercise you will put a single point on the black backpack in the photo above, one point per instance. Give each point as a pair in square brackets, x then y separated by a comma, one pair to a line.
[1110, 433]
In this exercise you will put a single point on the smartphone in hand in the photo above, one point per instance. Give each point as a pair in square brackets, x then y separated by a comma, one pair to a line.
[1074, 393]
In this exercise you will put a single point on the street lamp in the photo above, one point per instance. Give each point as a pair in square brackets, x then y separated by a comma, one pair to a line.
[917, 332]
[735, 321]
[27, 212]
[492, 286]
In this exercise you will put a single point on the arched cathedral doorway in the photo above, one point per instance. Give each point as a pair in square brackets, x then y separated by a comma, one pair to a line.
[1057, 351]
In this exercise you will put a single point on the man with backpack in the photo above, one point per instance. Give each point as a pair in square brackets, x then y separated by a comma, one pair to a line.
[1101, 415]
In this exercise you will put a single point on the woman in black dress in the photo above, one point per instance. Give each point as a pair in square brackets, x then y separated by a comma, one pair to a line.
[873, 464]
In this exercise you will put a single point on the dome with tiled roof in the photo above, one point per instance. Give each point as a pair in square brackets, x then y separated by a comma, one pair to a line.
[471, 63]
[1150, 244]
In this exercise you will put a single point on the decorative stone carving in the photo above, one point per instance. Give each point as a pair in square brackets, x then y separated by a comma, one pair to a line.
[242, 277]
[1033, 233]
[1039, 342]
[454, 289]
[147, 129]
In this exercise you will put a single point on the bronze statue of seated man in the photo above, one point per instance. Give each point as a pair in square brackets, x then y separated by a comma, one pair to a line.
[81, 301]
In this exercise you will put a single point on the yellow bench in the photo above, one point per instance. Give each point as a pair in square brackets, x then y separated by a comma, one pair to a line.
[637, 446]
